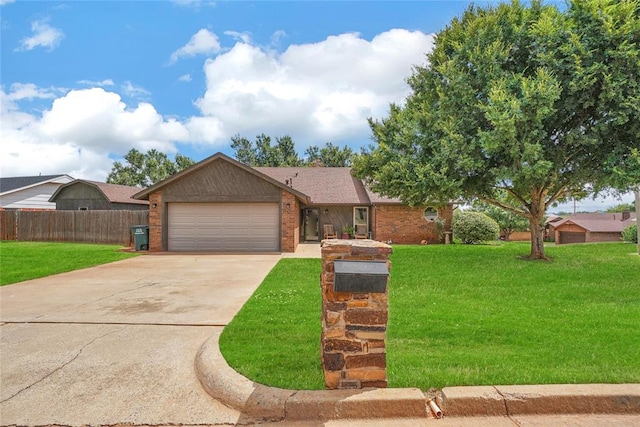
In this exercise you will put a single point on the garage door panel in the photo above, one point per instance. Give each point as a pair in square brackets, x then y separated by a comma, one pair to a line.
[224, 227]
[572, 237]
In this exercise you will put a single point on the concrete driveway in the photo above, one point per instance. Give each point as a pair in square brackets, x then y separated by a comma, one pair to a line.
[116, 343]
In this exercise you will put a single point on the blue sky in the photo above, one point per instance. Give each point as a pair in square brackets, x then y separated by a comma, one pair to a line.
[84, 82]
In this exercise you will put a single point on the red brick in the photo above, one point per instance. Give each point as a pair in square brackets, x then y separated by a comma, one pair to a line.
[342, 345]
[378, 360]
[333, 361]
[365, 316]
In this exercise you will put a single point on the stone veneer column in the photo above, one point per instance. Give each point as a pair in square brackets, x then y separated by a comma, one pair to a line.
[155, 222]
[354, 325]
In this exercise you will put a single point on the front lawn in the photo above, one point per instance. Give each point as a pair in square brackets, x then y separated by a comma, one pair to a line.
[462, 315]
[29, 260]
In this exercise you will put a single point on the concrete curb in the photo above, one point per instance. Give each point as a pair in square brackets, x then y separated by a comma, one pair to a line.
[274, 404]
[541, 400]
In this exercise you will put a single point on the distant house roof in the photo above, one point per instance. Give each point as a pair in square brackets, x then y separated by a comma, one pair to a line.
[599, 222]
[114, 193]
[15, 183]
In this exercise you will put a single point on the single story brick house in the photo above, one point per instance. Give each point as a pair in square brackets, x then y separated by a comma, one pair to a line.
[85, 195]
[591, 227]
[220, 204]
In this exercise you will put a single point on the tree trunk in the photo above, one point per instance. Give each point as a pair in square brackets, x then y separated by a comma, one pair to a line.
[536, 225]
[638, 216]
[537, 238]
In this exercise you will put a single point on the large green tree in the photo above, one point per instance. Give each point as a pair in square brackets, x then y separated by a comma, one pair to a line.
[144, 169]
[530, 101]
[329, 156]
[262, 153]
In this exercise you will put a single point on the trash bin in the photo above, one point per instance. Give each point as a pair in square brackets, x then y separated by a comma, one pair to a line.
[140, 237]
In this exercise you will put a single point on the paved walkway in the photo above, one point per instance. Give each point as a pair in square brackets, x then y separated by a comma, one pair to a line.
[116, 343]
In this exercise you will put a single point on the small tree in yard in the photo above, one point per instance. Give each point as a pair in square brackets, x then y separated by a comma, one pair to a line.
[630, 234]
[507, 220]
[529, 101]
[474, 227]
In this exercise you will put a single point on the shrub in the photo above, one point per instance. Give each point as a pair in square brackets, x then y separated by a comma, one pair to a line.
[630, 234]
[474, 227]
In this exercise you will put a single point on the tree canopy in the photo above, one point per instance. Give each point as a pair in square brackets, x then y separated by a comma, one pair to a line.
[144, 169]
[519, 106]
[283, 153]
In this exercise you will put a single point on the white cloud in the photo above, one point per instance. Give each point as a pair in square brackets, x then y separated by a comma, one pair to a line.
[316, 92]
[29, 91]
[3, 2]
[195, 4]
[185, 78]
[80, 133]
[103, 83]
[244, 37]
[134, 91]
[43, 35]
[277, 36]
[204, 42]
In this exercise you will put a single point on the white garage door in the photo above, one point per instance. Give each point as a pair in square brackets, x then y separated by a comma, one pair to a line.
[253, 227]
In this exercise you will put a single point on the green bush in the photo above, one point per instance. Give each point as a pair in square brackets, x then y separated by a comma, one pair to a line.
[474, 227]
[630, 234]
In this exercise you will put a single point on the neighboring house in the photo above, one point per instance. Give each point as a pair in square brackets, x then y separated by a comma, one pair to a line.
[30, 192]
[591, 227]
[86, 195]
[220, 204]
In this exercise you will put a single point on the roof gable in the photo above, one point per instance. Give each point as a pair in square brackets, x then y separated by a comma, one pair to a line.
[113, 193]
[211, 162]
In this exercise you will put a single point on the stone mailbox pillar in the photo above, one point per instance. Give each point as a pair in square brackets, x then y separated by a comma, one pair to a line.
[354, 315]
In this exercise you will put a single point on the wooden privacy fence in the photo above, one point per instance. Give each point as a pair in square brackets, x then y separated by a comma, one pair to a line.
[71, 226]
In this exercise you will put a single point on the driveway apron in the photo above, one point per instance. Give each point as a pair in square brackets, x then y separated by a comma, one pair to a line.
[116, 343]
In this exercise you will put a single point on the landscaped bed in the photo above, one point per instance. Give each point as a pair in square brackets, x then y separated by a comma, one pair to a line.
[461, 315]
[29, 260]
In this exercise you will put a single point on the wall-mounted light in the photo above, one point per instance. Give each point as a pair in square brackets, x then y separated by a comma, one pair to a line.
[288, 205]
[326, 211]
[155, 205]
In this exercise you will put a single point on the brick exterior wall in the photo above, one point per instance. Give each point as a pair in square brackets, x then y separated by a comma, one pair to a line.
[603, 237]
[354, 325]
[290, 222]
[155, 221]
[407, 225]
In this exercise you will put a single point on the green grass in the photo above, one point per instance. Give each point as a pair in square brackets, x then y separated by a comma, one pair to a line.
[275, 338]
[462, 315]
[29, 260]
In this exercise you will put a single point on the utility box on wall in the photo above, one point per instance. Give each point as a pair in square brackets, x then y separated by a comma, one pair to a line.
[360, 276]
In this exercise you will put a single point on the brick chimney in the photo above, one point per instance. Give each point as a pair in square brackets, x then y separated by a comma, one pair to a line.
[626, 215]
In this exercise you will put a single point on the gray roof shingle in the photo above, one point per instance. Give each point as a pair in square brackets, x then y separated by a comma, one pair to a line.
[16, 182]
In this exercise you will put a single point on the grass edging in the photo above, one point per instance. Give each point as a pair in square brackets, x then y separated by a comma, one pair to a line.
[461, 315]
